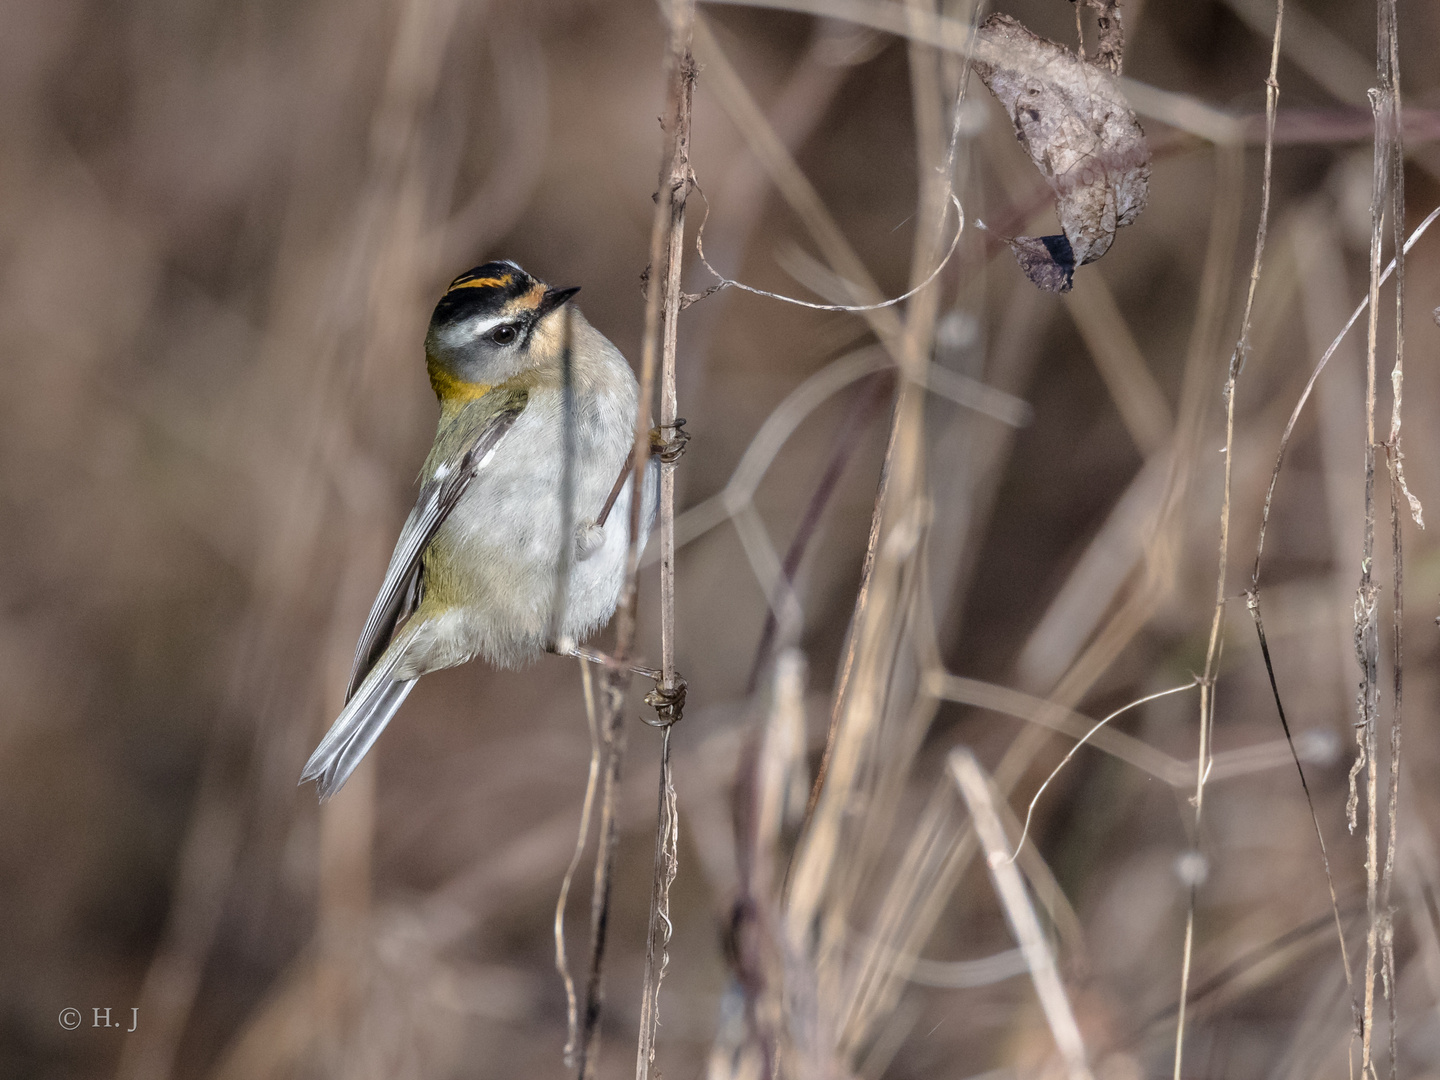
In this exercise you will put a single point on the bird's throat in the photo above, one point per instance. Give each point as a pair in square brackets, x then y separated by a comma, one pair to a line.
[452, 390]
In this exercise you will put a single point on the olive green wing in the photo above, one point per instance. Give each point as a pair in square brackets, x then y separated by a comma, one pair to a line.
[481, 429]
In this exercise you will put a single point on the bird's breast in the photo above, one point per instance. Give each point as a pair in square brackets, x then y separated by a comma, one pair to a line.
[508, 533]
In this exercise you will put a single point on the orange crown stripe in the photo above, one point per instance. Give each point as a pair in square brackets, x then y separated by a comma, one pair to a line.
[481, 283]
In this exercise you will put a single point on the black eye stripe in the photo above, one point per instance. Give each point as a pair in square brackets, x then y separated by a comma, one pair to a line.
[527, 331]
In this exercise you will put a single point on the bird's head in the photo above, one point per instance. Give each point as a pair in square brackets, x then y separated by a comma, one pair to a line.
[493, 323]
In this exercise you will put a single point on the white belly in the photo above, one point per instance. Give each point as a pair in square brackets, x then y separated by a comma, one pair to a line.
[511, 537]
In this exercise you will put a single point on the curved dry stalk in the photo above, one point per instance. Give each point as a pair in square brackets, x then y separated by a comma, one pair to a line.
[791, 183]
[730, 283]
[1285, 436]
[1030, 810]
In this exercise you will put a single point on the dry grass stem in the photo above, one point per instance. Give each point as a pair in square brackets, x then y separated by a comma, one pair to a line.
[1285, 437]
[662, 315]
[1391, 189]
[731, 283]
[1367, 627]
[1030, 810]
[562, 965]
[1213, 649]
[979, 796]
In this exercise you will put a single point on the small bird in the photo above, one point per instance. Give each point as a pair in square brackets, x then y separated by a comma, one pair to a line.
[491, 561]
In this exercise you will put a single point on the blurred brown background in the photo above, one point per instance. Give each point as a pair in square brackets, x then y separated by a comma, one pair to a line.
[222, 228]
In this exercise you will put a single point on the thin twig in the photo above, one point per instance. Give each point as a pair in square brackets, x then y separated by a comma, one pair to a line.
[730, 283]
[1213, 649]
[657, 958]
[572, 1010]
[1388, 64]
[612, 739]
[661, 324]
[661, 308]
[1367, 629]
[791, 183]
[1252, 600]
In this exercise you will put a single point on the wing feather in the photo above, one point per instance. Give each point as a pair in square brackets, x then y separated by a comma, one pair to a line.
[400, 591]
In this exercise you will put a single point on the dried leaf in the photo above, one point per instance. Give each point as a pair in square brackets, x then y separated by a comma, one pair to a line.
[1047, 260]
[1081, 134]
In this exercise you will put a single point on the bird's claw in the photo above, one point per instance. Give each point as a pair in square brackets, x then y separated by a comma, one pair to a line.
[668, 441]
[667, 699]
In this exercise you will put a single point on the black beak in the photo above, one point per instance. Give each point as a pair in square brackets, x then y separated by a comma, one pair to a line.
[552, 299]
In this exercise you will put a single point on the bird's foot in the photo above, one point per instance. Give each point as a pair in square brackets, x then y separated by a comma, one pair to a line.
[668, 701]
[668, 441]
[567, 647]
[667, 698]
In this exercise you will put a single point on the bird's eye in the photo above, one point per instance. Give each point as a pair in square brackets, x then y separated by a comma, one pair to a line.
[503, 335]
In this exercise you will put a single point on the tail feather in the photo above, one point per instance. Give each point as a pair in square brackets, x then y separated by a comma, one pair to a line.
[359, 724]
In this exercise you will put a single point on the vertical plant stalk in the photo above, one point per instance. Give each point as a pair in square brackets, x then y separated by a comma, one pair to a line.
[662, 306]
[1388, 48]
[1398, 488]
[1213, 649]
[1403, 245]
[562, 965]
[612, 741]
[657, 958]
[896, 532]
[661, 324]
[1367, 629]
